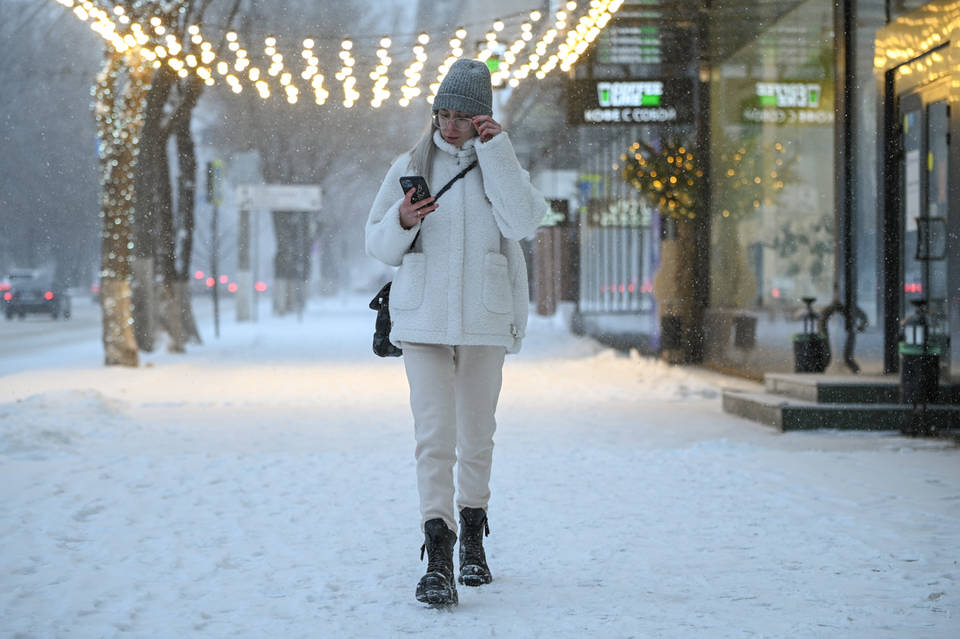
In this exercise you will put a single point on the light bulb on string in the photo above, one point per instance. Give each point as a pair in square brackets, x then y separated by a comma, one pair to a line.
[502, 73]
[492, 46]
[456, 52]
[128, 36]
[345, 75]
[411, 88]
[380, 92]
[311, 67]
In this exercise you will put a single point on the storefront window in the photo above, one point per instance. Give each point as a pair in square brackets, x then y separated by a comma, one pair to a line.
[772, 155]
[898, 8]
[870, 17]
[618, 227]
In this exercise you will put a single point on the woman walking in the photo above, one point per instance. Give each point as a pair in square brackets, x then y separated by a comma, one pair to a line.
[458, 304]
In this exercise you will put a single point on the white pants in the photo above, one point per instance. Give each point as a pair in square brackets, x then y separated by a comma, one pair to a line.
[453, 396]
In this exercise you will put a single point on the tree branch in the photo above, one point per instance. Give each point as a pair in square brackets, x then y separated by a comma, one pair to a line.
[230, 18]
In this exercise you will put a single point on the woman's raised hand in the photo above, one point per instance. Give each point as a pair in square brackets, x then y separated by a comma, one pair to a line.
[487, 128]
[411, 213]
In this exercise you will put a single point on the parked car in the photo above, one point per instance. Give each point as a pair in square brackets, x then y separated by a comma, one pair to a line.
[31, 292]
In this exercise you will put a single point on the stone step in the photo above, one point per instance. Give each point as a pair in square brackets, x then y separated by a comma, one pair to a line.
[787, 413]
[845, 389]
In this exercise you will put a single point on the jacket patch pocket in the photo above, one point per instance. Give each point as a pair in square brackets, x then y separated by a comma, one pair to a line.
[497, 295]
[406, 293]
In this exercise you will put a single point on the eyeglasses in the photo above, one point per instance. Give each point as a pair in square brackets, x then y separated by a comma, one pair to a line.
[460, 124]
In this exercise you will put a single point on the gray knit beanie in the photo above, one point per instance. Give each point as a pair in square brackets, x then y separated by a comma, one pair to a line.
[466, 88]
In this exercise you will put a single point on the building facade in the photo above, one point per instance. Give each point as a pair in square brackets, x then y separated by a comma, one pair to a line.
[734, 158]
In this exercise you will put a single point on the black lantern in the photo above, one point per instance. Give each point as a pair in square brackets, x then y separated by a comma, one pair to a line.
[915, 331]
[920, 346]
[811, 350]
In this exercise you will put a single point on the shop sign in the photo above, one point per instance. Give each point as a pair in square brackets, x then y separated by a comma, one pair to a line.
[787, 103]
[656, 101]
[629, 44]
[618, 213]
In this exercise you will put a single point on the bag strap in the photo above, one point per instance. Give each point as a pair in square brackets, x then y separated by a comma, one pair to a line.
[444, 190]
[455, 178]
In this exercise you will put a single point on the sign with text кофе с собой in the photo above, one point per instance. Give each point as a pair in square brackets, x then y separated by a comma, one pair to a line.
[635, 101]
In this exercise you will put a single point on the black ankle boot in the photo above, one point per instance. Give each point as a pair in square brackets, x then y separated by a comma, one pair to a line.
[437, 587]
[473, 561]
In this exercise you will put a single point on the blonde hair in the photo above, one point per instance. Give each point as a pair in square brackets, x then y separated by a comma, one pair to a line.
[421, 155]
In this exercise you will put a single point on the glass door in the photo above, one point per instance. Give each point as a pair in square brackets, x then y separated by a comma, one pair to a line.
[924, 173]
[932, 239]
[912, 123]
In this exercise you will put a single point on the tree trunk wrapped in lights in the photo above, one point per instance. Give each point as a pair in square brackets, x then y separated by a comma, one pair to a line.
[122, 108]
[746, 176]
[120, 91]
[669, 178]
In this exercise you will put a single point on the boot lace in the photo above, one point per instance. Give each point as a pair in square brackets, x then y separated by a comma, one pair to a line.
[435, 561]
[436, 553]
[473, 541]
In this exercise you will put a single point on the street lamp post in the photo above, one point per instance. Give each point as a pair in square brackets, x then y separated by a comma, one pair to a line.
[920, 347]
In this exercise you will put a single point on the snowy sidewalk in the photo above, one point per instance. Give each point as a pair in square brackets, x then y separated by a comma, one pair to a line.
[263, 486]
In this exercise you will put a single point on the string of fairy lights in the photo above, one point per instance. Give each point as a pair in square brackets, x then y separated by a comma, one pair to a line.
[561, 43]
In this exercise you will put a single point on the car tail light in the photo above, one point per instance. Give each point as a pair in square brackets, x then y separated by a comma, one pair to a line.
[48, 295]
[8, 296]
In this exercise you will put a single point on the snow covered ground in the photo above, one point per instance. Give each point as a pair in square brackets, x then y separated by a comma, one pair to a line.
[263, 486]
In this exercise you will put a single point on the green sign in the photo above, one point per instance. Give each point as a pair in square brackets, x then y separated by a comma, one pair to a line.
[786, 103]
[627, 101]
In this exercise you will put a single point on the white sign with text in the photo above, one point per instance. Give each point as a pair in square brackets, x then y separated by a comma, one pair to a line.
[279, 197]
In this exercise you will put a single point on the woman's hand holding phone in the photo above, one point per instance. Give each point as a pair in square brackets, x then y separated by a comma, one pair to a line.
[411, 213]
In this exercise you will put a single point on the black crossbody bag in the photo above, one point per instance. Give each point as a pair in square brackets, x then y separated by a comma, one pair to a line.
[380, 303]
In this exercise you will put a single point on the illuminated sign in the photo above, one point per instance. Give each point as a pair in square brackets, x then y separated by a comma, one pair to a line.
[629, 44]
[802, 95]
[630, 115]
[787, 103]
[668, 101]
[787, 116]
[618, 213]
[622, 94]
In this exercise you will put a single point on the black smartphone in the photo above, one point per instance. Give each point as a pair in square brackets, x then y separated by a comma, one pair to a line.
[408, 182]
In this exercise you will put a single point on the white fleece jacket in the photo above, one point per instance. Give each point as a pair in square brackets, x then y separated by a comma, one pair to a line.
[464, 282]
